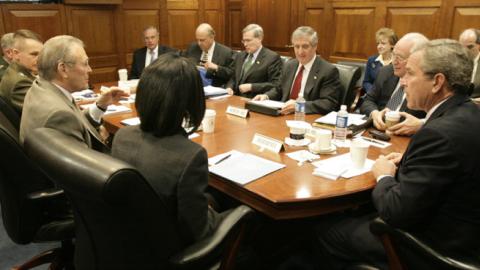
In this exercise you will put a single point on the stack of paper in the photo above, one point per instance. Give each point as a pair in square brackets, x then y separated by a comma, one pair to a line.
[212, 91]
[131, 121]
[331, 119]
[340, 166]
[242, 168]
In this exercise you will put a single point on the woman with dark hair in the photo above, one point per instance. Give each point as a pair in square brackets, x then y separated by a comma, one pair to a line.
[386, 39]
[170, 93]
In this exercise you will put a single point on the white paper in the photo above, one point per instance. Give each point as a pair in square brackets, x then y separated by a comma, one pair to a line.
[341, 165]
[331, 119]
[131, 121]
[84, 95]
[269, 103]
[214, 91]
[302, 156]
[193, 135]
[127, 85]
[298, 124]
[220, 97]
[111, 109]
[243, 168]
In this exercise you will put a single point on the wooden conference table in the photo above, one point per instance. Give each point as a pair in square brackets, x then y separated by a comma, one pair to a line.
[292, 192]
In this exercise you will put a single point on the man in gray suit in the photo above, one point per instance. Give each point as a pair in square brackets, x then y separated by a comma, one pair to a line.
[6, 42]
[63, 68]
[470, 39]
[316, 79]
[257, 69]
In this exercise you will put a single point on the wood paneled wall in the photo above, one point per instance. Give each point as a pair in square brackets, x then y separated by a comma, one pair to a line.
[346, 28]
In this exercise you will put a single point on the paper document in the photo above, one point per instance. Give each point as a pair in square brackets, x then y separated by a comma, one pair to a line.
[111, 109]
[331, 119]
[131, 121]
[242, 168]
[302, 156]
[84, 95]
[211, 91]
[269, 103]
[340, 166]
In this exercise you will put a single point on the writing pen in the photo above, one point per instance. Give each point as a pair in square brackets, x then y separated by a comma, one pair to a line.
[222, 159]
[373, 141]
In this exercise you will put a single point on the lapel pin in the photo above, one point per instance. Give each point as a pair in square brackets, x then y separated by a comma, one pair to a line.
[258, 62]
[314, 77]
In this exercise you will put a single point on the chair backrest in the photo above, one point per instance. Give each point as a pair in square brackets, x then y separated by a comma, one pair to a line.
[348, 78]
[285, 59]
[121, 223]
[19, 176]
[10, 113]
[361, 65]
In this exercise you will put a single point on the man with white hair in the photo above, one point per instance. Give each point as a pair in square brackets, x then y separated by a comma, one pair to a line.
[431, 191]
[256, 69]
[308, 75]
[387, 93]
[470, 39]
[6, 42]
[213, 56]
[63, 68]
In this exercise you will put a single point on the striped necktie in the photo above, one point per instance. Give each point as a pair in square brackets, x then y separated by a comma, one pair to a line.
[248, 64]
[396, 99]
[152, 55]
[204, 57]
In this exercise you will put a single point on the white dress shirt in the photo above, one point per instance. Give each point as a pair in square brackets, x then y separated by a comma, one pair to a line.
[148, 56]
[306, 71]
[94, 111]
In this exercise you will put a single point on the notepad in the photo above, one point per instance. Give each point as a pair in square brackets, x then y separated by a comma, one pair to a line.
[340, 166]
[212, 91]
[242, 168]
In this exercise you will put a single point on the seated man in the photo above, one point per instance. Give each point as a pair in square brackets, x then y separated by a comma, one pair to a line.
[255, 70]
[387, 93]
[6, 43]
[63, 68]
[19, 76]
[432, 191]
[141, 58]
[215, 57]
[308, 74]
[470, 39]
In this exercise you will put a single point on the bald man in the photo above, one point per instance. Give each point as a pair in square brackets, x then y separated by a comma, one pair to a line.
[470, 39]
[215, 57]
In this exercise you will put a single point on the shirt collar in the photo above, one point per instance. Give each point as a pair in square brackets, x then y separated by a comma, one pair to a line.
[155, 50]
[380, 59]
[64, 91]
[255, 54]
[434, 108]
[210, 50]
[308, 66]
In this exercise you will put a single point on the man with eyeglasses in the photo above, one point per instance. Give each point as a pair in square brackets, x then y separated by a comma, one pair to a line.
[63, 69]
[388, 94]
[146, 55]
[470, 39]
[308, 75]
[257, 69]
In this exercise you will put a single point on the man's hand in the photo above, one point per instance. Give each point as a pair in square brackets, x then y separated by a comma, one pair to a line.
[260, 97]
[289, 107]
[210, 65]
[409, 126]
[394, 157]
[110, 97]
[230, 91]
[377, 117]
[244, 88]
[383, 166]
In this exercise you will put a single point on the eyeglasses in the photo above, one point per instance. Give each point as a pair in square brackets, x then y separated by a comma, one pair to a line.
[399, 58]
[470, 46]
[244, 41]
[72, 63]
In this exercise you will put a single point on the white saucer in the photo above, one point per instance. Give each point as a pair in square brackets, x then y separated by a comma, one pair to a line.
[292, 142]
[332, 148]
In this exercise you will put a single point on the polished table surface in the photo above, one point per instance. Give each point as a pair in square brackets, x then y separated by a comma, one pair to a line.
[292, 192]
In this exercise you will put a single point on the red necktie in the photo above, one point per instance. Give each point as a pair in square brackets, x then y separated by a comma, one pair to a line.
[297, 84]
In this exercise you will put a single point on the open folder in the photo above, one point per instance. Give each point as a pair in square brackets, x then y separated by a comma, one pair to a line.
[242, 168]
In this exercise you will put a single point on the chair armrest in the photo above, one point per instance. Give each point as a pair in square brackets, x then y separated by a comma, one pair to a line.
[45, 194]
[401, 238]
[358, 94]
[208, 249]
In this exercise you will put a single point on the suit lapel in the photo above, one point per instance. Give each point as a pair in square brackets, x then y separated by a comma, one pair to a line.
[215, 54]
[258, 61]
[239, 66]
[312, 77]
[290, 78]
[453, 101]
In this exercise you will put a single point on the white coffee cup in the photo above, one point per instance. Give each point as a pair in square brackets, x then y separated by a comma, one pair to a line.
[392, 118]
[358, 153]
[323, 139]
[122, 75]
[208, 123]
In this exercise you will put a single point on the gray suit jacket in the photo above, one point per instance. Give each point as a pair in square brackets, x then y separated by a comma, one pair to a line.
[476, 83]
[177, 169]
[14, 85]
[322, 91]
[46, 106]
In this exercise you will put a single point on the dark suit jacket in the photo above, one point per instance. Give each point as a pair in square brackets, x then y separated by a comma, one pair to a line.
[222, 56]
[384, 86]
[139, 56]
[323, 89]
[436, 187]
[476, 83]
[176, 168]
[263, 75]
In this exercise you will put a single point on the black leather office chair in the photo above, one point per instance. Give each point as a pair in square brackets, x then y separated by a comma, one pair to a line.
[354, 99]
[406, 251]
[349, 76]
[28, 199]
[10, 113]
[285, 59]
[121, 222]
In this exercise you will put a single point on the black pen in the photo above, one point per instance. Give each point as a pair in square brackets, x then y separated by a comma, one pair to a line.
[373, 141]
[222, 159]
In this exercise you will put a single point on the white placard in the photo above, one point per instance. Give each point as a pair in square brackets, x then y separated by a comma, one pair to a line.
[268, 143]
[237, 111]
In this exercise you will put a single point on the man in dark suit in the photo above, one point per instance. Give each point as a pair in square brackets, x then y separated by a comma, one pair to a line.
[257, 69]
[387, 93]
[146, 55]
[432, 190]
[215, 57]
[6, 43]
[470, 39]
[19, 76]
[308, 75]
